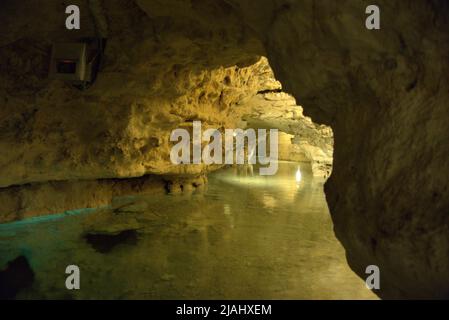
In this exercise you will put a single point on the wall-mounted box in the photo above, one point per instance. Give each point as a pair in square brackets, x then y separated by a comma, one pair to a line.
[69, 63]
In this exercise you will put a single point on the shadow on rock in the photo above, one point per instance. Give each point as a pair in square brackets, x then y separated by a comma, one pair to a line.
[17, 276]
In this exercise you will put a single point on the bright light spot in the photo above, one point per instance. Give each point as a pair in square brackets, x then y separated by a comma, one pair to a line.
[298, 175]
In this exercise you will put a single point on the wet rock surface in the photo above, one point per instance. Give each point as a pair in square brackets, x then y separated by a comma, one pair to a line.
[15, 277]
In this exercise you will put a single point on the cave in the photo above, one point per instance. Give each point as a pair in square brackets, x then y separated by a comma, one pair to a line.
[359, 116]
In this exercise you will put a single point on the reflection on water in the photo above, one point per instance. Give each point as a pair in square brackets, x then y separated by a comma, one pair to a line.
[298, 175]
[244, 237]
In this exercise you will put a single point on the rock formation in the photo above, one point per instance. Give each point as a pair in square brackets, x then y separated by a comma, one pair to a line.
[308, 141]
[385, 95]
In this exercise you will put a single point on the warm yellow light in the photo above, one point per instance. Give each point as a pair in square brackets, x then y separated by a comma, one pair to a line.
[298, 175]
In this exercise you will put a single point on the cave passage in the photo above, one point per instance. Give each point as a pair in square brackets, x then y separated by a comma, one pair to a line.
[85, 121]
[242, 236]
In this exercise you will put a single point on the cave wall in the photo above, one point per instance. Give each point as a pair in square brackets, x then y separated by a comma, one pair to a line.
[309, 141]
[154, 79]
[384, 93]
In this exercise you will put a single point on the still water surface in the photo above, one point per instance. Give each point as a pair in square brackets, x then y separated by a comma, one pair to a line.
[243, 237]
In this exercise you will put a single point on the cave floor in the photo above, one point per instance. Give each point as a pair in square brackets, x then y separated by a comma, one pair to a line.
[240, 238]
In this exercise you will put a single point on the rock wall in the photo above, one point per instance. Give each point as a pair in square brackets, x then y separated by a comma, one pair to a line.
[153, 80]
[310, 142]
[385, 94]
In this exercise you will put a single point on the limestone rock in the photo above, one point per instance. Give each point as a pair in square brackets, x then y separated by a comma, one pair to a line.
[278, 110]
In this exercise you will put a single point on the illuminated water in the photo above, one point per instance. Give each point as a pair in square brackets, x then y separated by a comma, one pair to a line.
[241, 238]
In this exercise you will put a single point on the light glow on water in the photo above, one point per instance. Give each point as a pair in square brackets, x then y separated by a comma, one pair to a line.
[298, 175]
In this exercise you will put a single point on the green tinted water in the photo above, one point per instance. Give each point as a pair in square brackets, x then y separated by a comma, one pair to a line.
[242, 237]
